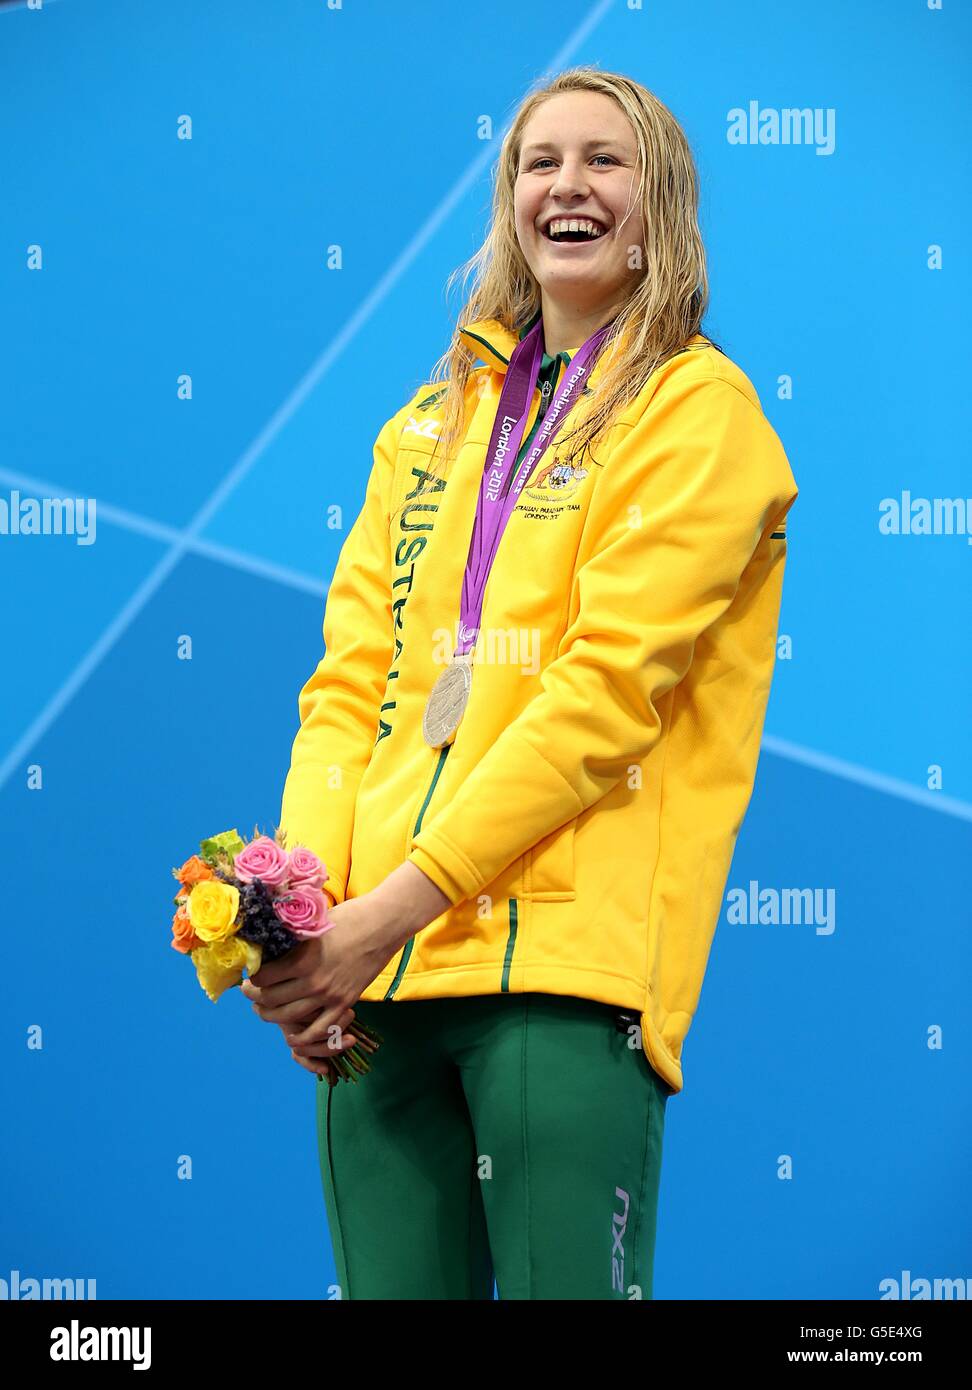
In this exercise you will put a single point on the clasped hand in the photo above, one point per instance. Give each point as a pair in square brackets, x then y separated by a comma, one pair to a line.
[310, 992]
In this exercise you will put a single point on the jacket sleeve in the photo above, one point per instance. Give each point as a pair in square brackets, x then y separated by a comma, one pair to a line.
[339, 703]
[686, 495]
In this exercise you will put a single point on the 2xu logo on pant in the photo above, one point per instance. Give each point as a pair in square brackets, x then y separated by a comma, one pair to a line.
[619, 1224]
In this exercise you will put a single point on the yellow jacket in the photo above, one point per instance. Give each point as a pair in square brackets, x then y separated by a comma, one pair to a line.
[583, 821]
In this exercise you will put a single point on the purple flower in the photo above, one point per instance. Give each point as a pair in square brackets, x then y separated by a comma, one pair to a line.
[261, 925]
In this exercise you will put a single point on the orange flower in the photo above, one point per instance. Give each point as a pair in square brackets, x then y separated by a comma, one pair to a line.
[194, 870]
[184, 939]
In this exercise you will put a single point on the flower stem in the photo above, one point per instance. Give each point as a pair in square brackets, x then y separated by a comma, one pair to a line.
[354, 1062]
[365, 1030]
[354, 1059]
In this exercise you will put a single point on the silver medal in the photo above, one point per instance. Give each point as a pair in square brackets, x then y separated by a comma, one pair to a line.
[447, 701]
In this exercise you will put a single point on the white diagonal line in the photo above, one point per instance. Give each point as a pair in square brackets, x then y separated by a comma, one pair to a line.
[877, 781]
[159, 531]
[561, 59]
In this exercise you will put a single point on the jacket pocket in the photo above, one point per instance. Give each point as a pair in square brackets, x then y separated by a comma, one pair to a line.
[550, 867]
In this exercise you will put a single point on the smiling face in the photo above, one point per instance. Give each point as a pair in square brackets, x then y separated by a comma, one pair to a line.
[578, 168]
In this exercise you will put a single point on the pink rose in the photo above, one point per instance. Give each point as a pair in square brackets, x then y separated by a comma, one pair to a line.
[306, 870]
[304, 911]
[264, 859]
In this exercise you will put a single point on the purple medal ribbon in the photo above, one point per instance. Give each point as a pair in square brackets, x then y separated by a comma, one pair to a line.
[497, 495]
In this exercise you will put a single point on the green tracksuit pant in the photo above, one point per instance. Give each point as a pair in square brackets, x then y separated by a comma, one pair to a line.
[515, 1136]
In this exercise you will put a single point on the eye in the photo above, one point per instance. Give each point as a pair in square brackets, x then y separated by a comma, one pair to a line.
[544, 159]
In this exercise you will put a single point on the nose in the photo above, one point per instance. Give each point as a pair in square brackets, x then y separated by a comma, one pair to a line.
[571, 182]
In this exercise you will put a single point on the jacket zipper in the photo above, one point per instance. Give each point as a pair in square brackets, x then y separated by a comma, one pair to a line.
[407, 951]
[546, 391]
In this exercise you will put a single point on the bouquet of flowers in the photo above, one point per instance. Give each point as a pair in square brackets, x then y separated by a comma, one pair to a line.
[240, 904]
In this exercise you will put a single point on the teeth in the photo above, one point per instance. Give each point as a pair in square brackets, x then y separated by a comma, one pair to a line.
[573, 224]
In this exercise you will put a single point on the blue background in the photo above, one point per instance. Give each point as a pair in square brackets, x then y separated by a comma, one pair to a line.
[162, 256]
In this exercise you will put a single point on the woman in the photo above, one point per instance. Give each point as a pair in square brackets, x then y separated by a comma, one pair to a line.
[526, 753]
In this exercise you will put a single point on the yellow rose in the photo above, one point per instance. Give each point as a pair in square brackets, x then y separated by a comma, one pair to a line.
[220, 965]
[213, 907]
